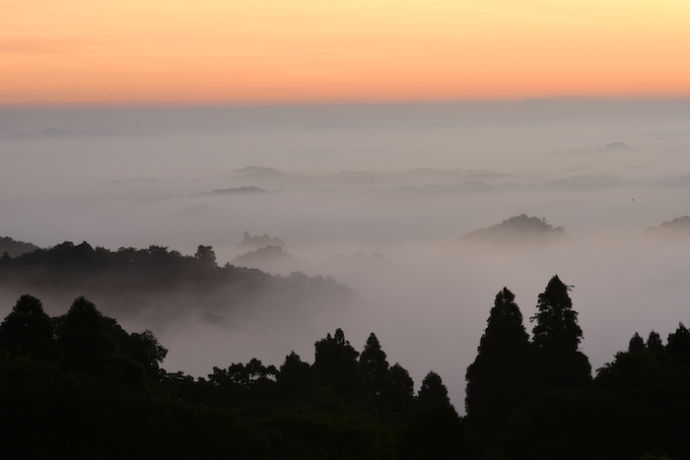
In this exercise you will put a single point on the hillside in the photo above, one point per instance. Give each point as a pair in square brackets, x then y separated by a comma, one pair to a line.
[678, 227]
[517, 230]
[159, 283]
[15, 248]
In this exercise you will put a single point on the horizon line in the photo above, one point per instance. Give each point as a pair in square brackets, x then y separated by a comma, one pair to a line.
[192, 104]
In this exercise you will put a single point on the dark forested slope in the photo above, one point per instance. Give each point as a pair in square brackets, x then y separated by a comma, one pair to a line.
[14, 248]
[159, 282]
[78, 385]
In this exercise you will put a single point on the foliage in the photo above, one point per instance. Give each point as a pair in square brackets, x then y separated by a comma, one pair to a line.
[81, 386]
[99, 391]
[158, 281]
[27, 330]
[374, 367]
[556, 339]
[14, 248]
[499, 378]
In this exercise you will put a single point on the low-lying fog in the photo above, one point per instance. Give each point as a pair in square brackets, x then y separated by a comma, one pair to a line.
[377, 196]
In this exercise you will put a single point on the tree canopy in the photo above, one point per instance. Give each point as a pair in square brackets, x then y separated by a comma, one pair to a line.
[556, 337]
[78, 385]
[499, 378]
[27, 330]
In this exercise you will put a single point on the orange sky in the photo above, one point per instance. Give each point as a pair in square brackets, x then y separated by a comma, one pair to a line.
[130, 51]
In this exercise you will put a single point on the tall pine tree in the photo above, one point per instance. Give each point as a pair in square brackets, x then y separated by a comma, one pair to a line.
[556, 339]
[655, 344]
[374, 367]
[636, 344]
[498, 379]
[435, 432]
[397, 395]
[678, 345]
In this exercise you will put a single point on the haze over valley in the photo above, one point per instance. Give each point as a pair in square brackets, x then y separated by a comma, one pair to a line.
[373, 200]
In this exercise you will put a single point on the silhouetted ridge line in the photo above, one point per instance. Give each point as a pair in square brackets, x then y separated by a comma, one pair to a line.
[678, 227]
[79, 385]
[345, 403]
[160, 281]
[14, 248]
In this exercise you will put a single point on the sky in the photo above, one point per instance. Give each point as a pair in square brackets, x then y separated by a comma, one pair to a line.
[211, 51]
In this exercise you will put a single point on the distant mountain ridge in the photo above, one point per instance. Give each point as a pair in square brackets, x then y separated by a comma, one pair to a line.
[160, 283]
[15, 248]
[678, 227]
[259, 241]
[521, 229]
[263, 256]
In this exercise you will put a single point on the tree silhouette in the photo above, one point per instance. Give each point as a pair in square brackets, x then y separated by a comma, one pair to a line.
[295, 379]
[144, 349]
[433, 393]
[397, 394]
[335, 363]
[206, 255]
[81, 338]
[102, 390]
[27, 330]
[556, 338]
[636, 344]
[655, 345]
[678, 345]
[435, 431]
[556, 327]
[498, 379]
[374, 367]
[242, 375]
[243, 382]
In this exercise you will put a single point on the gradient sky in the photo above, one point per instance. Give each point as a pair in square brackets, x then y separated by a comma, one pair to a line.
[131, 51]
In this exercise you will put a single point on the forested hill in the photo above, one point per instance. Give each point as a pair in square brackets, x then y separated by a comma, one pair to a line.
[517, 230]
[14, 248]
[78, 385]
[678, 228]
[158, 281]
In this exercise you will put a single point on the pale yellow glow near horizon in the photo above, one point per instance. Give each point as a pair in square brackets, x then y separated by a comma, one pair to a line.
[130, 51]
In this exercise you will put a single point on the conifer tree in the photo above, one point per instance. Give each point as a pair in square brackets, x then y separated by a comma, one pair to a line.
[556, 338]
[654, 344]
[397, 395]
[374, 366]
[498, 379]
[678, 345]
[557, 328]
[435, 431]
[636, 344]
[433, 393]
